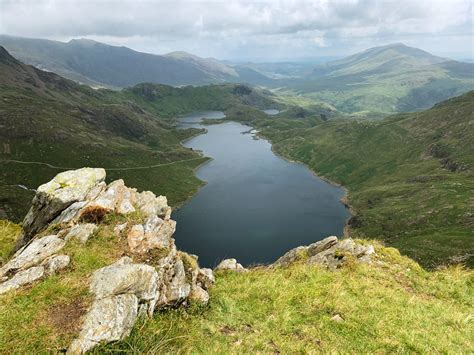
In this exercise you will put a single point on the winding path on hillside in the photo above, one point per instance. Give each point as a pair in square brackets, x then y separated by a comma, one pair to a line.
[109, 169]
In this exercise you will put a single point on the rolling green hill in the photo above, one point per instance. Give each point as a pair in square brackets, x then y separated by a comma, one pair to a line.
[410, 176]
[47, 119]
[393, 78]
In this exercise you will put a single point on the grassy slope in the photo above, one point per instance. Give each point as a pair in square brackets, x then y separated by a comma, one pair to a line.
[396, 173]
[395, 307]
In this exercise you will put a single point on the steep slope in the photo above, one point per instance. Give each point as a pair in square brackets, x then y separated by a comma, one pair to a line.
[98, 64]
[46, 119]
[410, 176]
[387, 79]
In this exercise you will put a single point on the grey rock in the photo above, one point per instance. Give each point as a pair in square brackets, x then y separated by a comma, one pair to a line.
[56, 263]
[292, 256]
[199, 295]
[22, 278]
[122, 277]
[57, 195]
[155, 233]
[81, 232]
[205, 278]
[178, 289]
[70, 214]
[33, 254]
[109, 319]
[150, 205]
[231, 265]
[321, 245]
[337, 318]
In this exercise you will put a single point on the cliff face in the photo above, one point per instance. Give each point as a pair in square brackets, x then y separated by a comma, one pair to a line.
[148, 273]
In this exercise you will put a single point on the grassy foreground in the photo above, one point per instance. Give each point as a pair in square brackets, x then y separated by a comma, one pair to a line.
[394, 306]
[398, 307]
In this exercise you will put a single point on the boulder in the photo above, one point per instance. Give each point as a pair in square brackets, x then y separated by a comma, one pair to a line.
[81, 232]
[179, 288]
[231, 265]
[155, 233]
[109, 319]
[22, 278]
[150, 205]
[56, 263]
[122, 277]
[292, 256]
[55, 196]
[321, 245]
[199, 295]
[33, 254]
[205, 278]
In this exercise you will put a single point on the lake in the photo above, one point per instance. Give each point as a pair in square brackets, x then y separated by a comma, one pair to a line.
[255, 205]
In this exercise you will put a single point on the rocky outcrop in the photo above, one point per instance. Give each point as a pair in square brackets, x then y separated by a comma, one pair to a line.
[74, 208]
[329, 253]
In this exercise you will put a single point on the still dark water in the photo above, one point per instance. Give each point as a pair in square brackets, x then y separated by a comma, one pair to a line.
[255, 205]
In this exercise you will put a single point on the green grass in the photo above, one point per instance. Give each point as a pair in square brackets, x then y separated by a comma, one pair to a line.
[398, 307]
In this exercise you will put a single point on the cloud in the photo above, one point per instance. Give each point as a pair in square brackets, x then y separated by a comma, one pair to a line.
[230, 27]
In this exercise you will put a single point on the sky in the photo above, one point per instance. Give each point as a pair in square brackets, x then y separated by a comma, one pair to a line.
[249, 30]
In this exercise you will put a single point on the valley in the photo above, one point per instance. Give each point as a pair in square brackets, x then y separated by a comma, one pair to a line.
[250, 178]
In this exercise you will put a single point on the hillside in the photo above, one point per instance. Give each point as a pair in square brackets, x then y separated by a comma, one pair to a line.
[393, 78]
[46, 119]
[409, 176]
[98, 64]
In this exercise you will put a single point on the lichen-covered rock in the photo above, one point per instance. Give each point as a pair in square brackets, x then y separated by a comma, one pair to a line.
[150, 205]
[81, 232]
[55, 196]
[118, 278]
[155, 233]
[22, 278]
[179, 288]
[33, 254]
[205, 278]
[321, 245]
[199, 295]
[109, 319]
[292, 256]
[230, 265]
[328, 253]
[56, 263]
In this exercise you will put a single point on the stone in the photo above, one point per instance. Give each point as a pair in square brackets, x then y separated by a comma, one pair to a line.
[205, 278]
[126, 199]
[155, 233]
[70, 214]
[57, 195]
[292, 256]
[178, 289]
[321, 245]
[56, 263]
[81, 232]
[33, 254]
[109, 319]
[22, 278]
[199, 295]
[230, 264]
[120, 228]
[337, 318]
[108, 199]
[123, 277]
[150, 205]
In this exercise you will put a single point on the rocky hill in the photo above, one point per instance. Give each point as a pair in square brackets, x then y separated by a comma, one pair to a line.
[94, 260]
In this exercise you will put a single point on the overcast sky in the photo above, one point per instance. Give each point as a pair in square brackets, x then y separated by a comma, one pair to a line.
[249, 30]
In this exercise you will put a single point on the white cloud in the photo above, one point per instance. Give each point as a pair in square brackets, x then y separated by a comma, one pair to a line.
[226, 28]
